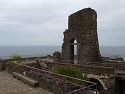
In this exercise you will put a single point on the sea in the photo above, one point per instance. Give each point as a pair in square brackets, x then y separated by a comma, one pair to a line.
[28, 51]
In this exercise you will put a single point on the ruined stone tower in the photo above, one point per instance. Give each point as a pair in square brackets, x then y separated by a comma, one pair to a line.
[82, 28]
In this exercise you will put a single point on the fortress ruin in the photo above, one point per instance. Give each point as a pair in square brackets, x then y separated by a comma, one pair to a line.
[82, 28]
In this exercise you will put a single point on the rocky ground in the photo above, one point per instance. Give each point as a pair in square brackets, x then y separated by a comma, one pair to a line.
[10, 85]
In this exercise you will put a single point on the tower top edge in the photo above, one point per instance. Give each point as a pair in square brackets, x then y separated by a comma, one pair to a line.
[83, 10]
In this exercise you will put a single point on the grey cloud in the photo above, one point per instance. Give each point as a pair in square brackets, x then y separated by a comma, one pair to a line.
[42, 22]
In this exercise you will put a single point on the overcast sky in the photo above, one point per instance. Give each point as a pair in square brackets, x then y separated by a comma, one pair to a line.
[42, 22]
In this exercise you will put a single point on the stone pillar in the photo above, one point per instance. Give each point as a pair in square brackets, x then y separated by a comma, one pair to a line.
[56, 56]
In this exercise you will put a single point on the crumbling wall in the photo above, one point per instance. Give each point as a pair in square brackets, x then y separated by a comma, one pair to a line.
[56, 56]
[2, 65]
[82, 27]
[47, 82]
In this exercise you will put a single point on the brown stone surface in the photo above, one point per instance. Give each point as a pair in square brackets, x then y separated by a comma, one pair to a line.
[82, 27]
[56, 56]
[10, 85]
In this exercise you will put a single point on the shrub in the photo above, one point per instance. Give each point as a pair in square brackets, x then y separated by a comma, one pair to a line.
[16, 56]
[16, 63]
[72, 72]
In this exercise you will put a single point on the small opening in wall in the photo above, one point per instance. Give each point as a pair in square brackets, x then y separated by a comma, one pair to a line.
[73, 51]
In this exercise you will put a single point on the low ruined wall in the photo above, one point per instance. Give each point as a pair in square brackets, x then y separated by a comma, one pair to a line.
[2, 65]
[47, 82]
[97, 70]
[29, 58]
[86, 69]
[115, 64]
[11, 68]
[53, 85]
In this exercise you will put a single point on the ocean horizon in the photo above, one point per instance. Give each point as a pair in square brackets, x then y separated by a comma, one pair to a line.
[7, 51]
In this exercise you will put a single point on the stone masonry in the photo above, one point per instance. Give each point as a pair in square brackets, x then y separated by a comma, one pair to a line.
[56, 56]
[82, 27]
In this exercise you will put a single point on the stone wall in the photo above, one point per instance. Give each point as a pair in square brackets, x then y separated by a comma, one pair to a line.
[56, 56]
[53, 85]
[29, 58]
[86, 68]
[113, 63]
[2, 65]
[48, 82]
[82, 27]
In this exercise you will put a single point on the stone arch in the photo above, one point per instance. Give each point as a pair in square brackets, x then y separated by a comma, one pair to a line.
[100, 84]
[72, 49]
[72, 40]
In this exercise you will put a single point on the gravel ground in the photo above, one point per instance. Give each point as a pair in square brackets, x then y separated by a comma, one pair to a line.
[10, 85]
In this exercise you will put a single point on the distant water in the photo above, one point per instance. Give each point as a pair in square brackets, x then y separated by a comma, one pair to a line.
[26, 51]
[113, 51]
[6, 51]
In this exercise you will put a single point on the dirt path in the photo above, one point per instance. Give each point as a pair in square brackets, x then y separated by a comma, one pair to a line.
[10, 85]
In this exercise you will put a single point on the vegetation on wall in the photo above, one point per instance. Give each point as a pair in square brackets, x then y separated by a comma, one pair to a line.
[16, 63]
[72, 72]
[118, 59]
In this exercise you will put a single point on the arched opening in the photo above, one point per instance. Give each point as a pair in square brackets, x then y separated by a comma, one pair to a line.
[99, 85]
[73, 51]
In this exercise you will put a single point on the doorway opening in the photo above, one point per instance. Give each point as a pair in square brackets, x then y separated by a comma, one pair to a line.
[73, 51]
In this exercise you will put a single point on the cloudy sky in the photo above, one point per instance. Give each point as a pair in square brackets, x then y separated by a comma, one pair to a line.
[42, 22]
